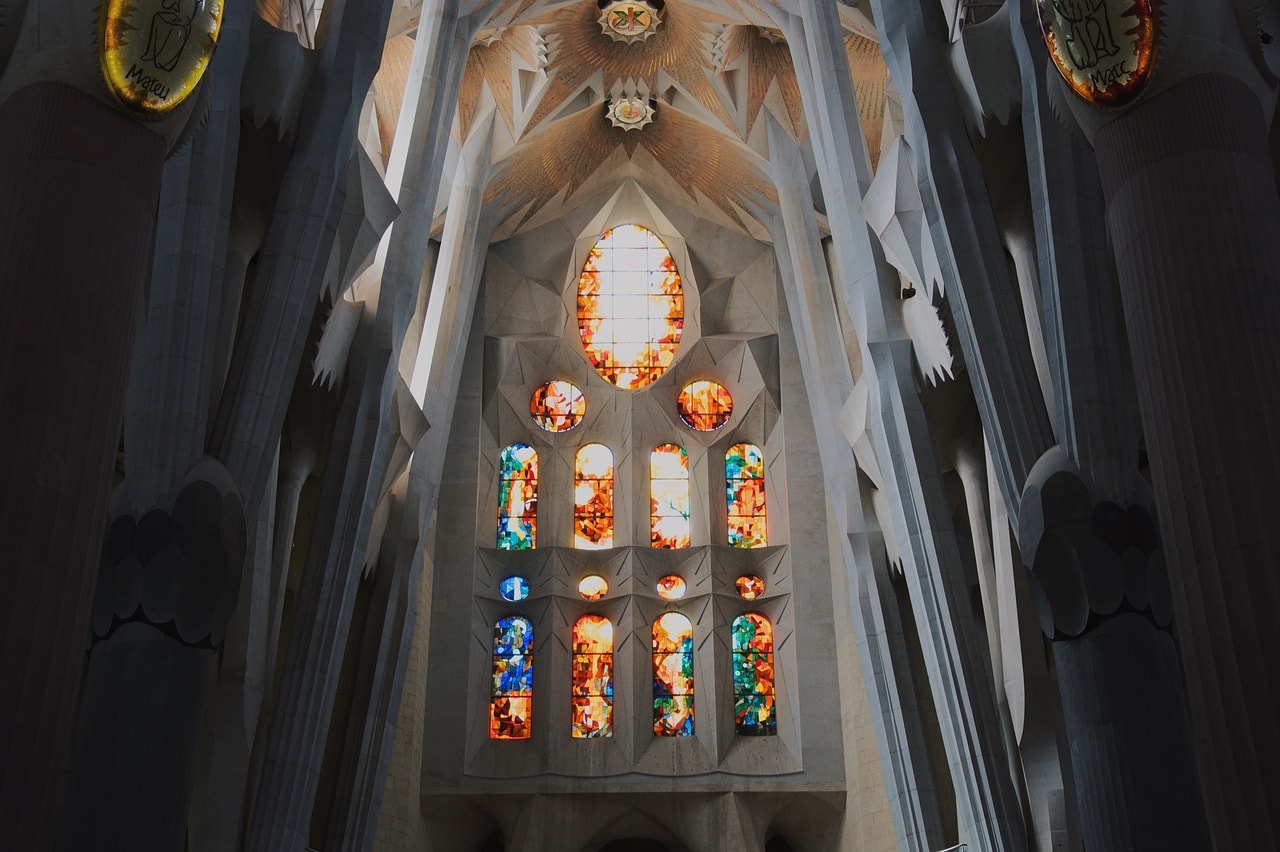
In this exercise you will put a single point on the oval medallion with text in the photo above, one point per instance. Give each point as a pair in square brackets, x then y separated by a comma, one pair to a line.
[154, 52]
[1105, 49]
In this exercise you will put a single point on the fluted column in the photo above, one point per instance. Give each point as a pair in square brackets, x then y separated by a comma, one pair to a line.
[78, 189]
[1194, 215]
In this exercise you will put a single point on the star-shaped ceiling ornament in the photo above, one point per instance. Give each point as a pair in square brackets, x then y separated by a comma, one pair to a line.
[629, 21]
[630, 113]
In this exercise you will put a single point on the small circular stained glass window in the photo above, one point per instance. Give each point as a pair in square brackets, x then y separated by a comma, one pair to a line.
[672, 588]
[593, 587]
[557, 406]
[514, 588]
[705, 405]
[749, 586]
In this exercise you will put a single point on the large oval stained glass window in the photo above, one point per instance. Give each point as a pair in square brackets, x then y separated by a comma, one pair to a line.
[630, 307]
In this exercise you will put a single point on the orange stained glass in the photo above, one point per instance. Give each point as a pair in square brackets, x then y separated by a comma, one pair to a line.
[672, 587]
[518, 498]
[669, 496]
[511, 708]
[672, 675]
[749, 586]
[592, 677]
[754, 713]
[705, 405]
[593, 587]
[630, 307]
[557, 406]
[593, 498]
[744, 492]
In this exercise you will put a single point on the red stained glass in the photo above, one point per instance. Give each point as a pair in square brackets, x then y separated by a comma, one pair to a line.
[630, 307]
[705, 405]
[557, 406]
[592, 677]
[593, 498]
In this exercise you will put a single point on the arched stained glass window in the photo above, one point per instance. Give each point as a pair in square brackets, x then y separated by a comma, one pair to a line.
[753, 696]
[744, 490]
[669, 496]
[672, 676]
[592, 677]
[630, 307]
[518, 498]
[511, 709]
[593, 498]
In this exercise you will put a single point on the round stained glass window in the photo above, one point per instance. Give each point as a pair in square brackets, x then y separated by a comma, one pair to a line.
[557, 406]
[672, 588]
[514, 588]
[593, 587]
[749, 586]
[630, 307]
[705, 405]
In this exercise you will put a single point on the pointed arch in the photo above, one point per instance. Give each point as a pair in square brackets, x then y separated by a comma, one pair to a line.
[744, 496]
[511, 707]
[669, 496]
[593, 497]
[672, 675]
[592, 677]
[518, 498]
[754, 713]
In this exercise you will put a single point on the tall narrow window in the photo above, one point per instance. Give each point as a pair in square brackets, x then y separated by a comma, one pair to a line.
[753, 698]
[592, 677]
[511, 709]
[518, 498]
[744, 490]
[593, 498]
[672, 676]
[669, 496]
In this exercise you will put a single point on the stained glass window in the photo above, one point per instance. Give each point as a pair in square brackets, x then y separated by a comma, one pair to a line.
[669, 496]
[592, 677]
[749, 586]
[518, 498]
[672, 676]
[511, 710]
[630, 307]
[744, 490]
[593, 587]
[672, 587]
[557, 406]
[593, 498]
[753, 699]
[705, 405]
[514, 588]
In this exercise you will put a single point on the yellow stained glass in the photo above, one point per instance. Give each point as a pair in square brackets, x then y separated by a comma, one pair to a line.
[593, 587]
[593, 498]
[669, 496]
[672, 675]
[592, 677]
[630, 307]
[705, 405]
[672, 588]
[557, 406]
[749, 586]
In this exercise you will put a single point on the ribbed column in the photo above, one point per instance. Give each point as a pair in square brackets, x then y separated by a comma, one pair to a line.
[1194, 218]
[78, 190]
[1126, 726]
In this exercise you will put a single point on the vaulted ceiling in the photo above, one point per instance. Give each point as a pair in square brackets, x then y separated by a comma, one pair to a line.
[713, 70]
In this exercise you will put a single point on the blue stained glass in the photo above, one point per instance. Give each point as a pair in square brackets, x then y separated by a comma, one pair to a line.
[514, 588]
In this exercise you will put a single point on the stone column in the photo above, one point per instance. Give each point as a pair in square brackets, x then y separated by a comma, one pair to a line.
[1194, 215]
[79, 183]
[989, 809]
